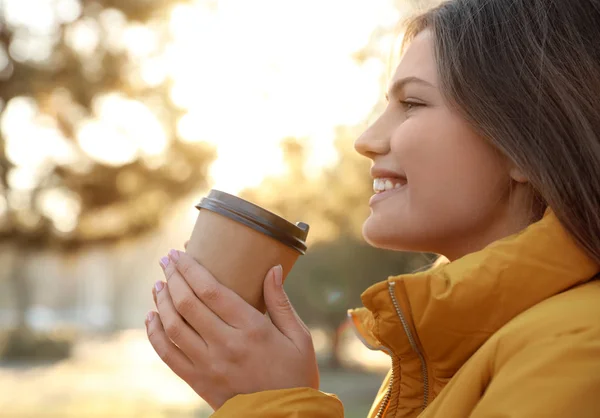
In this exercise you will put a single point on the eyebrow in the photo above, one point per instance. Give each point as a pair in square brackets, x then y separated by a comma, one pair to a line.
[398, 85]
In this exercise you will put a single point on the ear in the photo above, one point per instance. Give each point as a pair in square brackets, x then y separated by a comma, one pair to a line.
[517, 175]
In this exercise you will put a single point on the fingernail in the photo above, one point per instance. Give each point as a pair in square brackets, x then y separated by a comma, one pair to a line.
[278, 273]
[159, 286]
[164, 262]
[174, 255]
[150, 316]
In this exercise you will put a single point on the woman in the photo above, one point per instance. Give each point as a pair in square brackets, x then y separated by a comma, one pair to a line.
[487, 153]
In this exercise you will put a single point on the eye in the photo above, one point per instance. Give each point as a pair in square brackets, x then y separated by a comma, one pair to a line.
[410, 104]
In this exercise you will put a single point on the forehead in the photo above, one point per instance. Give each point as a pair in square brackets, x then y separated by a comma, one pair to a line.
[418, 59]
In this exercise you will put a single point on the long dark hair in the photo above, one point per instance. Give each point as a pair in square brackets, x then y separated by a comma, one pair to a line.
[526, 74]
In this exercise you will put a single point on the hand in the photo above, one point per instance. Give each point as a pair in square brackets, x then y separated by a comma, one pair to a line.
[219, 344]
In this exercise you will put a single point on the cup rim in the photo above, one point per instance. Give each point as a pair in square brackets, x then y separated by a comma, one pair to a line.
[257, 218]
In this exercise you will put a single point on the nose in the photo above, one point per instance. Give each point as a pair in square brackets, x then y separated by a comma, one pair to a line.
[374, 141]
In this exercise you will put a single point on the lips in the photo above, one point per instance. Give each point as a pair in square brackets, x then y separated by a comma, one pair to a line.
[381, 172]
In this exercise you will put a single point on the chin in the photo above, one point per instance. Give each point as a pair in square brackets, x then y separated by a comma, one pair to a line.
[380, 237]
[388, 237]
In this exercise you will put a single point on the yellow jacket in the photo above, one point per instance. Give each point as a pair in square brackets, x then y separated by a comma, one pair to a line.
[510, 331]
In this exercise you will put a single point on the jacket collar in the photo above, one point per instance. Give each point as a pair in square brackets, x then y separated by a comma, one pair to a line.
[454, 308]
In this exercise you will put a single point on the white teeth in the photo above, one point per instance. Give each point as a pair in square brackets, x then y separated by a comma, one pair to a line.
[380, 185]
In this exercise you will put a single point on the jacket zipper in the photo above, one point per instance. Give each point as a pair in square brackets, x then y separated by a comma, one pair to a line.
[413, 344]
[388, 395]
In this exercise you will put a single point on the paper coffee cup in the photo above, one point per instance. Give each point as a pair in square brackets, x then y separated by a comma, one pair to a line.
[238, 242]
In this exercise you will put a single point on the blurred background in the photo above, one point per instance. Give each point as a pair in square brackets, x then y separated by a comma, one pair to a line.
[116, 117]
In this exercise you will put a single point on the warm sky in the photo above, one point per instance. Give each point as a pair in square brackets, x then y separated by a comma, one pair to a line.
[247, 73]
[287, 69]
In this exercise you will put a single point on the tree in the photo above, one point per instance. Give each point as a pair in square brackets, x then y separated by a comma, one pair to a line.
[89, 149]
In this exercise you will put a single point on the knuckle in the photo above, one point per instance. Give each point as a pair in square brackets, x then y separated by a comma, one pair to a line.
[210, 292]
[256, 333]
[152, 335]
[185, 306]
[304, 329]
[306, 339]
[232, 349]
[165, 356]
[283, 304]
[219, 371]
[184, 267]
[169, 271]
[173, 330]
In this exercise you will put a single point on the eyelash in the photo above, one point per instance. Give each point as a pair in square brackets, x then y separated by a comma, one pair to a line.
[407, 103]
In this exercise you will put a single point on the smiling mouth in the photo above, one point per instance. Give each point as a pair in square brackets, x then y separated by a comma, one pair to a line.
[381, 185]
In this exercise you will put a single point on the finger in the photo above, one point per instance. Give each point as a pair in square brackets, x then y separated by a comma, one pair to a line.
[280, 308]
[224, 302]
[154, 297]
[162, 262]
[199, 316]
[164, 347]
[186, 244]
[188, 340]
[156, 302]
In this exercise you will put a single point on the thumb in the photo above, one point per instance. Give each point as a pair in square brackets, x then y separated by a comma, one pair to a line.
[280, 309]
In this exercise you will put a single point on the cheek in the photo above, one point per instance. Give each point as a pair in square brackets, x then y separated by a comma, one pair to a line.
[455, 180]
[448, 164]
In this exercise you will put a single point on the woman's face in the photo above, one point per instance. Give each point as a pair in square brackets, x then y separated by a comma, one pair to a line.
[439, 186]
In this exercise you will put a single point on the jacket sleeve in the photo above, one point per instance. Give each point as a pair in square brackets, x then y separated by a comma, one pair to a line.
[554, 377]
[284, 403]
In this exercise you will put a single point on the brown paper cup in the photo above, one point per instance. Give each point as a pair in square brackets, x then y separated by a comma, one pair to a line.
[238, 242]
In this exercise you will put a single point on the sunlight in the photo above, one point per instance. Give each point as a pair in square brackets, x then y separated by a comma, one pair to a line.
[124, 130]
[113, 23]
[245, 88]
[243, 80]
[119, 376]
[105, 144]
[354, 353]
[135, 120]
[153, 71]
[62, 206]
[237, 166]
[19, 12]
[83, 36]
[32, 139]
[140, 40]
[67, 10]
[22, 178]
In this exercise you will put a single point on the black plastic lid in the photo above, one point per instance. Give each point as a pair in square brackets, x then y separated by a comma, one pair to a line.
[257, 218]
